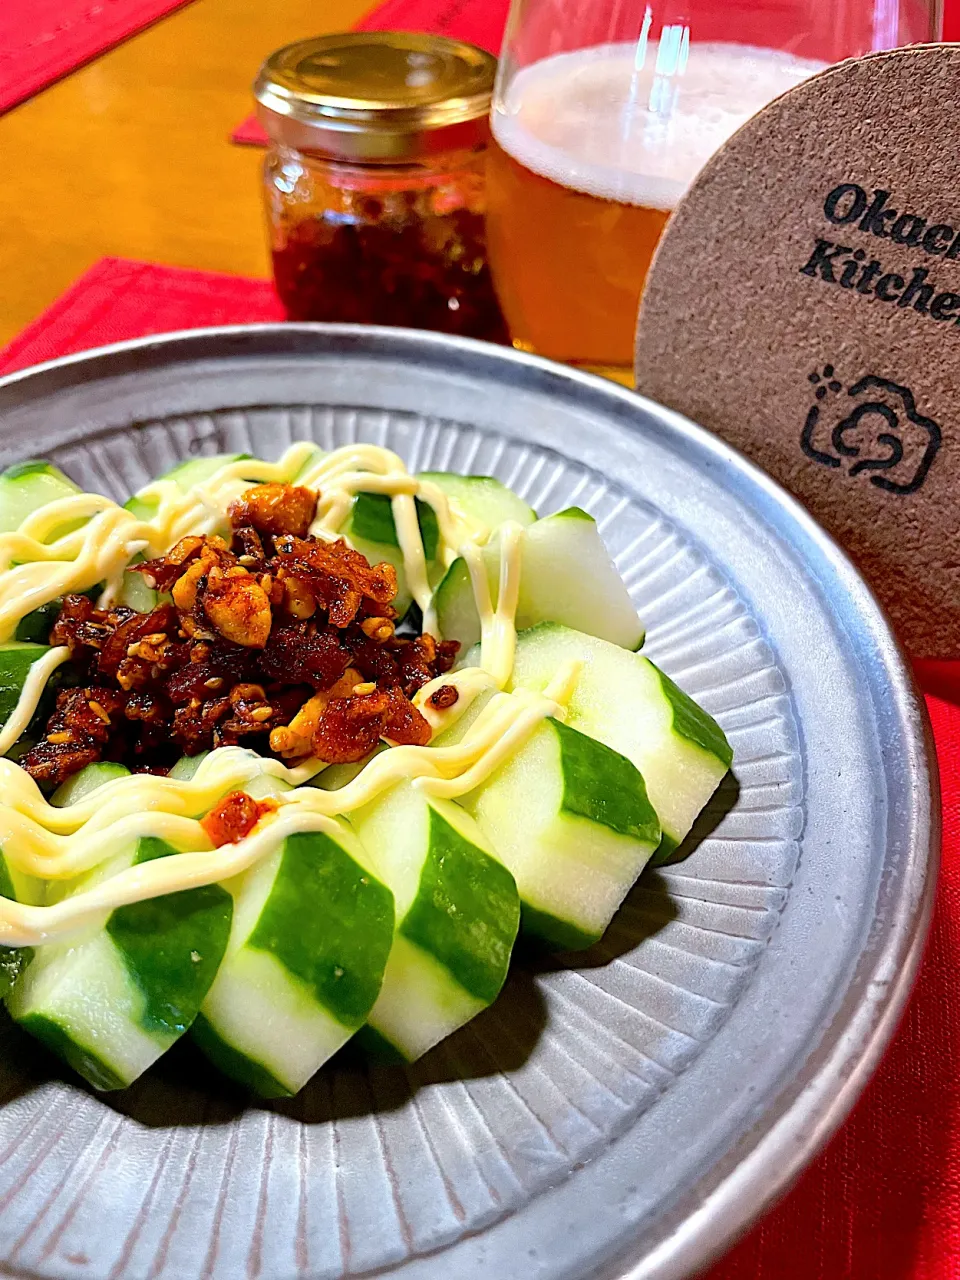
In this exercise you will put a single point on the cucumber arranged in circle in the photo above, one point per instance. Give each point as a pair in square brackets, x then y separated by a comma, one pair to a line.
[113, 999]
[457, 914]
[625, 701]
[312, 930]
[571, 820]
[567, 576]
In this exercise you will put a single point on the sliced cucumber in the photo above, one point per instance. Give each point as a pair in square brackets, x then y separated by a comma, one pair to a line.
[567, 576]
[310, 463]
[134, 592]
[187, 766]
[186, 474]
[115, 998]
[370, 529]
[18, 888]
[571, 820]
[371, 519]
[16, 659]
[457, 917]
[87, 780]
[482, 499]
[28, 486]
[35, 627]
[312, 931]
[622, 699]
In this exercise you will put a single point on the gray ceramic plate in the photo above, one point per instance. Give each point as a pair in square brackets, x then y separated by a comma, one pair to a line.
[621, 1116]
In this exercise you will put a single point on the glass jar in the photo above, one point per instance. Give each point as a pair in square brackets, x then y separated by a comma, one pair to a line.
[375, 181]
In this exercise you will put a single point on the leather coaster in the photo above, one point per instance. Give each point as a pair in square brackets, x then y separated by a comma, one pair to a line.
[804, 304]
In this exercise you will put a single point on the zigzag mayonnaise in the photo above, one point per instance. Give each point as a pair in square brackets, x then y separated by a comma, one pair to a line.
[58, 844]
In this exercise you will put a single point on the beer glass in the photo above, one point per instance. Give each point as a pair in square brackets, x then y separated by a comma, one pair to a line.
[603, 114]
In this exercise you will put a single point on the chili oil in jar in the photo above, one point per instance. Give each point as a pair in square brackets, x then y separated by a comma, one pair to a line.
[375, 181]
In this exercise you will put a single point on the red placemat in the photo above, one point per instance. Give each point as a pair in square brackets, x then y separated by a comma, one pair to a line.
[42, 40]
[883, 1201]
[118, 299]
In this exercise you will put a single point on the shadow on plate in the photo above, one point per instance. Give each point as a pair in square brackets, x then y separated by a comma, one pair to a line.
[716, 809]
[183, 1089]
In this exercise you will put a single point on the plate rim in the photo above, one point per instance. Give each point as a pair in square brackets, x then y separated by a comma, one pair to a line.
[767, 1159]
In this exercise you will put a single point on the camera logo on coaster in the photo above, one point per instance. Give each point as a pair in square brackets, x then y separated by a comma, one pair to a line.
[880, 434]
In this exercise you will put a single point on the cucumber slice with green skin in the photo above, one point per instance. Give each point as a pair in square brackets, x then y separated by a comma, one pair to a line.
[571, 820]
[313, 926]
[371, 529]
[134, 592]
[26, 487]
[186, 474]
[622, 699]
[457, 616]
[334, 776]
[310, 463]
[87, 780]
[567, 576]
[372, 519]
[113, 1000]
[482, 498]
[18, 888]
[187, 766]
[16, 659]
[458, 912]
[35, 627]
[259, 787]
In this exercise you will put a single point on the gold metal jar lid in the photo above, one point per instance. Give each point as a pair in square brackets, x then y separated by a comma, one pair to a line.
[376, 96]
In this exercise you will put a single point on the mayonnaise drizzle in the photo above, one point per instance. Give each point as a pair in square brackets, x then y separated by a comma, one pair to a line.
[57, 844]
[30, 695]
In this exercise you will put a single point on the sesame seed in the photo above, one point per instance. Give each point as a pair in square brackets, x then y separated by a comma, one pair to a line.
[59, 738]
[247, 561]
[156, 637]
[215, 682]
[97, 710]
[150, 581]
[368, 686]
[261, 713]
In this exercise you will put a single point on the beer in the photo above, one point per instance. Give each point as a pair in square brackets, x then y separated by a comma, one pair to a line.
[593, 151]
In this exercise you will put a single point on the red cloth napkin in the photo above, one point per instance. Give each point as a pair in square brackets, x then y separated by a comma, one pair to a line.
[883, 1201]
[42, 40]
[118, 299]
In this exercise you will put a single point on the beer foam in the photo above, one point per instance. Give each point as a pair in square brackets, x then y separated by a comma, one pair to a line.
[635, 123]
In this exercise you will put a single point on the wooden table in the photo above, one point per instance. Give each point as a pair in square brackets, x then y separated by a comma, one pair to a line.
[129, 156]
